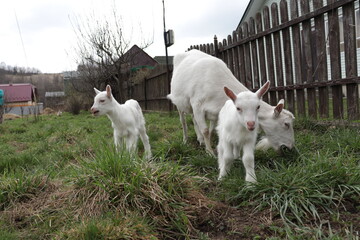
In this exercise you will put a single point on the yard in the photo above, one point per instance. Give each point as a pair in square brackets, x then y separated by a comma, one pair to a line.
[61, 179]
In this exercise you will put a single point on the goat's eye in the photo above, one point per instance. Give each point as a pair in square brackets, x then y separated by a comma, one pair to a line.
[287, 125]
[102, 101]
[258, 107]
[239, 109]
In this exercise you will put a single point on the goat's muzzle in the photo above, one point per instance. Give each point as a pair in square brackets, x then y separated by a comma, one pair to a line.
[94, 111]
[250, 125]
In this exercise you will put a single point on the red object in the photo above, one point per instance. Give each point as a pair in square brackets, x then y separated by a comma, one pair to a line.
[18, 92]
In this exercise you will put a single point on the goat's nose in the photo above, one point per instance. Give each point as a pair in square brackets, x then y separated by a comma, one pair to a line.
[250, 125]
[93, 110]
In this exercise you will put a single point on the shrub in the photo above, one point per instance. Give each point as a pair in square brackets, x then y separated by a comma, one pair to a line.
[73, 104]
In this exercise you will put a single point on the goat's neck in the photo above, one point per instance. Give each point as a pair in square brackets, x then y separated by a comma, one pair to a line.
[115, 114]
[266, 111]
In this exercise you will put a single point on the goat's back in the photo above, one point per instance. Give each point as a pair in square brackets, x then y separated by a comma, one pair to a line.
[136, 111]
[199, 78]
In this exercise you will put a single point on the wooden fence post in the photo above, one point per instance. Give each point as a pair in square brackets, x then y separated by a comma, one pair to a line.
[277, 48]
[145, 94]
[254, 56]
[321, 65]
[352, 93]
[307, 60]
[290, 94]
[262, 58]
[247, 58]
[269, 55]
[335, 63]
[216, 47]
[298, 74]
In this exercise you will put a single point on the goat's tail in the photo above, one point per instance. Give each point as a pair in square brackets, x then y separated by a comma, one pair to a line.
[169, 96]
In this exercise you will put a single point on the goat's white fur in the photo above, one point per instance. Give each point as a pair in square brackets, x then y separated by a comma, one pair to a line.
[127, 120]
[237, 129]
[197, 89]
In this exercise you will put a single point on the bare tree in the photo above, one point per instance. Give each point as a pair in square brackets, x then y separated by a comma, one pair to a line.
[102, 52]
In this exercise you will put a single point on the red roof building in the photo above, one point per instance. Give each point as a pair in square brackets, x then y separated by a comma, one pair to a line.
[18, 93]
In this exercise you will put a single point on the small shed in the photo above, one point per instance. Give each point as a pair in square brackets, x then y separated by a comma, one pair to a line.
[19, 94]
[55, 100]
[19, 98]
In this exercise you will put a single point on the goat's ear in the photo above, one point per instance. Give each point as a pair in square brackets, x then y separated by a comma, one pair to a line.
[279, 107]
[108, 91]
[263, 89]
[230, 94]
[96, 91]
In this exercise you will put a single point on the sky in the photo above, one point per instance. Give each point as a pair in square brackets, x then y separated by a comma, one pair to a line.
[41, 34]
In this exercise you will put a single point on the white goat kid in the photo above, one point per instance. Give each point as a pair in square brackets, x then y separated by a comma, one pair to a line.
[127, 120]
[196, 88]
[237, 128]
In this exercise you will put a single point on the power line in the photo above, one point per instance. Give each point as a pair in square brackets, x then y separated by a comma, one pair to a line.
[22, 42]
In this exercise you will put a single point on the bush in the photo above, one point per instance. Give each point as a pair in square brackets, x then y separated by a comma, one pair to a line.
[73, 104]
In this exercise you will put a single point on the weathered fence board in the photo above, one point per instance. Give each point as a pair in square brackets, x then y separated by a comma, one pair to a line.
[307, 59]
[335, 62]
[269, 56]
[290, 94]
[321, 61]
[277, 51]
[350, 59]
[247, 58]
[263, 74]
[298, 76]
[254, 57]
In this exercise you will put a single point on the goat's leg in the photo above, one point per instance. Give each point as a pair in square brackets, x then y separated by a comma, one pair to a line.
[211, 128]
[199, 117]
[118, 141]
[248, 161]
[225, 158]
[199, 135]
[131, 143]
[145, 140]
[184, 125]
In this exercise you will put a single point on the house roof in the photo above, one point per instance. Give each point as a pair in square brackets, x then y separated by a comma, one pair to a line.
[18, 92]
[136, 57]
[162, 59]
[252, 8]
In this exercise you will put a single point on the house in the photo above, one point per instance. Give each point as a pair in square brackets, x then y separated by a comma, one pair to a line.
[55, 100]
[136, 58]
[20, 99]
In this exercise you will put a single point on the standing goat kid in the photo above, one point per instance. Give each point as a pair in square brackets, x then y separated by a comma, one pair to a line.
[237, 128]
[127, 120]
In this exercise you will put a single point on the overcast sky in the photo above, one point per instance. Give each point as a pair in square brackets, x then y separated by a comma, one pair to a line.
[48, 35]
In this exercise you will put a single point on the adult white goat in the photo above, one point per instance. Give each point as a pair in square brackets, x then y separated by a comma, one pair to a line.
[197, 89]
[127, 120]
[237, 128]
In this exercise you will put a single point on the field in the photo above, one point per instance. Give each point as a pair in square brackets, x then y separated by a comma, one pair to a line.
[61, 179]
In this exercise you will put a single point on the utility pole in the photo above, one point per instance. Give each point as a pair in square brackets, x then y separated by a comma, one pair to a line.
[168, 41]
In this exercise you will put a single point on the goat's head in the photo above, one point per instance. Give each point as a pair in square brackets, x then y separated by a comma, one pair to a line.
[248, 104]
[277, 123]
[102, 102]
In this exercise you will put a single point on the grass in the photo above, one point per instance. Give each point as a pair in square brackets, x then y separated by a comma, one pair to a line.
[62, 179]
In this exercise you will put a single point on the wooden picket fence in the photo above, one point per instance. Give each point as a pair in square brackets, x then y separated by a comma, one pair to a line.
[151, 92]
[299, 53]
